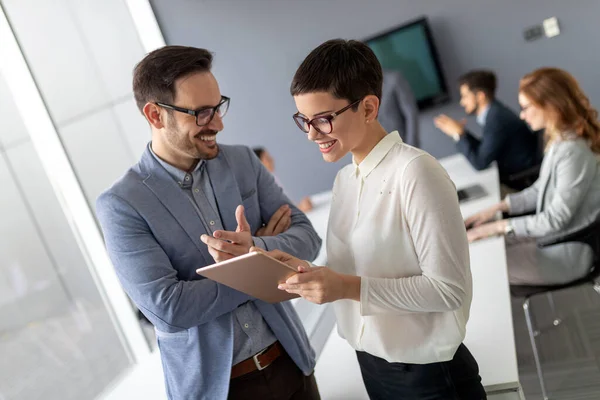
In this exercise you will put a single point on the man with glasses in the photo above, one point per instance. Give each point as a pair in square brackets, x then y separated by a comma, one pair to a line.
[190, 202]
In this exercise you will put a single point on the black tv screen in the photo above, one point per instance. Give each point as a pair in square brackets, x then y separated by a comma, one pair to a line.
[409, 49]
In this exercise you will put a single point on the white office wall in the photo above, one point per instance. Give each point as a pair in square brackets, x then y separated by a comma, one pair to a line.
[50, 307]
[134, 126]
[51, 224]
[98, 151]
[111, 42]
[259, 44]
[81, 55]
[31, 288]
[58, 56]
[13, 129]
[83, 68]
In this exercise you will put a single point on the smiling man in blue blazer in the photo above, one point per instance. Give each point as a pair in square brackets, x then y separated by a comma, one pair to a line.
[188, 203]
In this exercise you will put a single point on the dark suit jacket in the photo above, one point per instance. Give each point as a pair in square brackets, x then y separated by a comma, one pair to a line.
[399, 110]
[506, 139]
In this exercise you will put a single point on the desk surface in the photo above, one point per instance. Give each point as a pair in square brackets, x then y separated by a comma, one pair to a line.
[489, 330]
[319, 217]
[490, 335]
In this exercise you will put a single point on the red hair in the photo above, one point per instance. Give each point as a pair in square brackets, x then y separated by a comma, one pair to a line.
[568, 109]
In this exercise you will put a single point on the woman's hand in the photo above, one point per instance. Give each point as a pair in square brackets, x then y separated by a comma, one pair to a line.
[322, 285]
[316, 284]
[283, 257]
[484, 216]
[486, 230]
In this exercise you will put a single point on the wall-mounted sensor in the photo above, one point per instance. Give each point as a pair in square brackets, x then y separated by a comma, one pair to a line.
[551, 28]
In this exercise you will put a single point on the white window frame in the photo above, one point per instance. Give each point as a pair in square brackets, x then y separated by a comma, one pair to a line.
[49, 149]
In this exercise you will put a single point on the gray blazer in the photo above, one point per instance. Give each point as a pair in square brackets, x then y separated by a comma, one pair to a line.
[398, 109]
[565, 197]
[152, 234]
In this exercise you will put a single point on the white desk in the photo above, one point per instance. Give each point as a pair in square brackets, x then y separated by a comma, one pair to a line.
[490, 335]
[317, 320]
[490, 329]
[319, 217]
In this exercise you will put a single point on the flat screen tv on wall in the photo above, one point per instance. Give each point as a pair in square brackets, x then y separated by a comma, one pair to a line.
[410, 49]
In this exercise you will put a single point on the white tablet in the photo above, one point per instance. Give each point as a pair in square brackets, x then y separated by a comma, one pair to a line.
[255, 274]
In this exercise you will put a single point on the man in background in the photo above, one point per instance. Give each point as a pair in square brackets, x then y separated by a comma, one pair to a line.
[398, 110]
[266, 159]
[505, 139]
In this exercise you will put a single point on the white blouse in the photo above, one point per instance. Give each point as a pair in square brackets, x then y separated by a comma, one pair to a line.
[395, 221]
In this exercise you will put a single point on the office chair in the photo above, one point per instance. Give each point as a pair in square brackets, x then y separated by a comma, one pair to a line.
[523, 179]
[589, 235]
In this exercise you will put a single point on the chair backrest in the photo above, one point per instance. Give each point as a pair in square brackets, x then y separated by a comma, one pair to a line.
[591, 236]
[523, 179]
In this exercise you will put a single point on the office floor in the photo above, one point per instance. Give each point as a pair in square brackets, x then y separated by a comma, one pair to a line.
[570, 352]
[76, 366]
[74, 355]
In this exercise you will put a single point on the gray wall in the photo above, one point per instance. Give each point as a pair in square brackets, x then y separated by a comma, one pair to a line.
[260, 43]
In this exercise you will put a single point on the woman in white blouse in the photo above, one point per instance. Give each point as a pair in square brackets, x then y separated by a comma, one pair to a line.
[398, 258]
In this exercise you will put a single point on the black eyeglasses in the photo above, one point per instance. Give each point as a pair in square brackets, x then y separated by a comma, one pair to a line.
[203, 115]
[323, 123]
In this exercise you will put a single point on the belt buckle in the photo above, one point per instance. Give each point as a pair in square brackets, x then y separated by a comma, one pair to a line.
[257, 363]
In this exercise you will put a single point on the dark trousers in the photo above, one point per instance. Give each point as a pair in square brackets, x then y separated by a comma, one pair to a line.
[457, 379]
[282, 380]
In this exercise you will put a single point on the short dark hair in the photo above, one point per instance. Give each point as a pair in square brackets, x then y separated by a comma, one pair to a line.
[259, 151]
[348, 69]
[480, 81]
[154, 77]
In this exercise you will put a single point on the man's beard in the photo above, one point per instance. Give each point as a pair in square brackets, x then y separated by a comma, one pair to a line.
[474, 111]
[203, 155]
[183, 143]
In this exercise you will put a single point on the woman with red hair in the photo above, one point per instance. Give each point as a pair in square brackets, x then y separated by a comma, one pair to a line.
[566, 196]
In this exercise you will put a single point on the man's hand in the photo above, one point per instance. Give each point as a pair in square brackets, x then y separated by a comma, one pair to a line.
[449, 126]
[225, 244]
[279, 222]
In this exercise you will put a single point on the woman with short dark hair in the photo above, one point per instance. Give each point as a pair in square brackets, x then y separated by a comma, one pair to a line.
[398, 259]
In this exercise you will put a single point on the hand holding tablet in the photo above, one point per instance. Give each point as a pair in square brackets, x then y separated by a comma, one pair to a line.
[255, 274]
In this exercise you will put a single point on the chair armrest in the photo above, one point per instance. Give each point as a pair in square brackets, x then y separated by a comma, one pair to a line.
[589, 234]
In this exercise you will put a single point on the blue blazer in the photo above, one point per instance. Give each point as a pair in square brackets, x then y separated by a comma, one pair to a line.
[152, 235]
[506, 139]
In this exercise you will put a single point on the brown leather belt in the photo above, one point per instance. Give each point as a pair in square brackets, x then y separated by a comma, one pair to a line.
[258, 362]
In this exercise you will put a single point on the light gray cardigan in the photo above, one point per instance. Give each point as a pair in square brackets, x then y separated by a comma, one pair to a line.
[565, 197]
